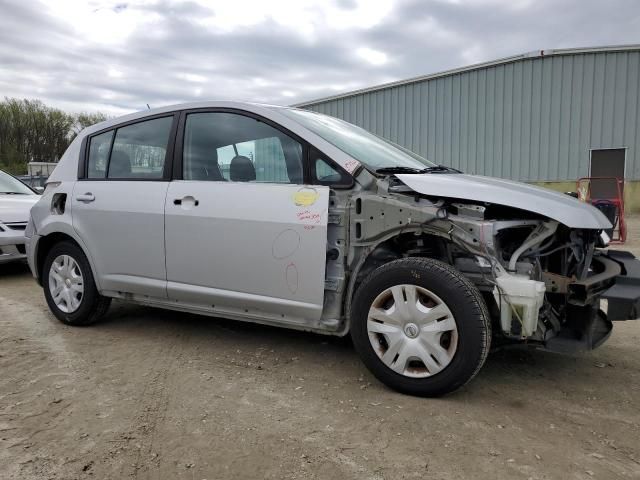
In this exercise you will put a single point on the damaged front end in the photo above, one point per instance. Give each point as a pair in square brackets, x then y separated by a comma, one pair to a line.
[546, 284]
[551, 289]
[545, 280]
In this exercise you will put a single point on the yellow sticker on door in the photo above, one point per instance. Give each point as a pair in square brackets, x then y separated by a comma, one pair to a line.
[305, 197]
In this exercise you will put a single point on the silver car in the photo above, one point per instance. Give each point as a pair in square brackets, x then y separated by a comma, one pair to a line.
[16, 199]
[290, 218]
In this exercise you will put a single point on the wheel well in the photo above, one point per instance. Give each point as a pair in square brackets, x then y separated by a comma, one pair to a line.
[44, 247]
[417, 245]
[402, 246]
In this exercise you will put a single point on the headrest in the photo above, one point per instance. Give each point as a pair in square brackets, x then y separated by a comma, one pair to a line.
[120, 165]
[241, 169]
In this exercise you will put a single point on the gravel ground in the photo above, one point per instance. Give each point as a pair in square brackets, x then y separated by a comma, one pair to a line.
[154, 394]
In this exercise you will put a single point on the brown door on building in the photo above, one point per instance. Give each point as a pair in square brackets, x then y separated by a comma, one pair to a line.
[607, 163]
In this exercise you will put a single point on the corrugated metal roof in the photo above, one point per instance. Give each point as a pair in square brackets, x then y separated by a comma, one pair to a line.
[536, 119]
[477, 66]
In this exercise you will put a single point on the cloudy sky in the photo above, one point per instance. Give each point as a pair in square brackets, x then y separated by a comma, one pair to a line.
[118, 55]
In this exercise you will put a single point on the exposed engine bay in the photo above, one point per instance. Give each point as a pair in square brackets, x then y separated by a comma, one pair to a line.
[545, 284]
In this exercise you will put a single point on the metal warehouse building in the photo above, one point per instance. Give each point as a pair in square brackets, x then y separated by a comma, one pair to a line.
[547, 117]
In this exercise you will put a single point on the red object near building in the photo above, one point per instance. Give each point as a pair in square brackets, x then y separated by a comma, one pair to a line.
[612, 206]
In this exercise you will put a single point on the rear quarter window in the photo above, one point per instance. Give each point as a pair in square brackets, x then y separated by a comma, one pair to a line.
[99, 148]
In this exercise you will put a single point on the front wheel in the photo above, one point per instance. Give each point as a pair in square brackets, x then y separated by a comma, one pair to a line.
[420, 326]
[69, 287]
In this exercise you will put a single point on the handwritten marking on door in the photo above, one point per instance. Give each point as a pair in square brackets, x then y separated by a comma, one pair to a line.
[309, 217]
[291, 277]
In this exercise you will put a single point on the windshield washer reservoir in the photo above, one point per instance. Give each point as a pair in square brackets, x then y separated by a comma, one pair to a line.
[519, 299]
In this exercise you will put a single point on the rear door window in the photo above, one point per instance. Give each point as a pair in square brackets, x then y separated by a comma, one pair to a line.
[140, 150]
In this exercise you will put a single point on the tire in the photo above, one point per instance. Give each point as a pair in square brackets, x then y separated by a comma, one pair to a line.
[445, 347]
[78, 308]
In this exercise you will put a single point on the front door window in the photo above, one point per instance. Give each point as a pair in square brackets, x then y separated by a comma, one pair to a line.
[229, 147]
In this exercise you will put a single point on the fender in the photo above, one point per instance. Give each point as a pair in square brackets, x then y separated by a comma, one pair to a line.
[63, 225]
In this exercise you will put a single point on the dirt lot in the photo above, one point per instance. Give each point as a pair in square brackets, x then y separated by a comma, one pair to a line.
[154, 394]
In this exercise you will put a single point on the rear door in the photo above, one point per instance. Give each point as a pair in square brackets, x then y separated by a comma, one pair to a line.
[243, 234]
[118, 207]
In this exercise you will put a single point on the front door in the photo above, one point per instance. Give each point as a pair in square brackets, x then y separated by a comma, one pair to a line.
[243, 235]
[118, 209]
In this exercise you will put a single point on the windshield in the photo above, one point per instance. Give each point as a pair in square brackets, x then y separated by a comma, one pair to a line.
[10, 185]
[369, 149]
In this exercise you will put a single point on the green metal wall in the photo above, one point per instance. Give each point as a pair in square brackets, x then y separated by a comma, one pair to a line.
[532, 119]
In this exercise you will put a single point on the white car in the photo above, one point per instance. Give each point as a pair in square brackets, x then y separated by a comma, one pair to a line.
[16, 199]
[291, 218]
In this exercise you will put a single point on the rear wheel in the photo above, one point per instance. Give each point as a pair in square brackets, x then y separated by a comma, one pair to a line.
[69, 287]
[420, 326]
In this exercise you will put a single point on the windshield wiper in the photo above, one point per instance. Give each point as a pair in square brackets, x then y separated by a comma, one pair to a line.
[400, 170]
[12, 193]
[441, 169]
[433, 169]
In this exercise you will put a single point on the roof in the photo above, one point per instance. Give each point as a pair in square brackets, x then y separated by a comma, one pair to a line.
[477, 66]
[110, 122]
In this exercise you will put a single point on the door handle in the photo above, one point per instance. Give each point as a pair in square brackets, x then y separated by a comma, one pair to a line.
[86, 198]
[187, 201]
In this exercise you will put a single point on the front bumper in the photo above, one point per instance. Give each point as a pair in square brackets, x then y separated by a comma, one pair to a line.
[593, 303]
[11, 253]
[12, 234]
[623, 298]
[12, 242]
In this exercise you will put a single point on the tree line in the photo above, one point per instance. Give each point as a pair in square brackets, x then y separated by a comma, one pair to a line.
[31, 131]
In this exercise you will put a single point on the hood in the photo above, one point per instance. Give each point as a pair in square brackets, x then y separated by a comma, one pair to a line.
[15, 208]
[557, 206]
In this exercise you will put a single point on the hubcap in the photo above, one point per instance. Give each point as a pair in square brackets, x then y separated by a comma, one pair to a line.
[412, 331]
[66, 284]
